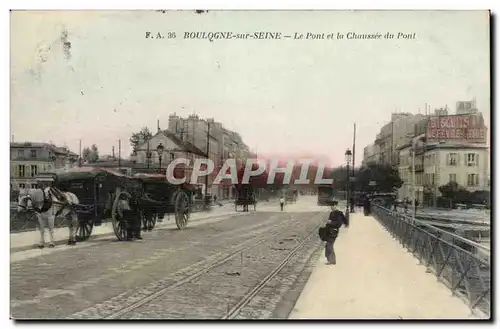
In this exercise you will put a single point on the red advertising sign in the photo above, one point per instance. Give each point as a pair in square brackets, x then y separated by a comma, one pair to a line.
[461, 128]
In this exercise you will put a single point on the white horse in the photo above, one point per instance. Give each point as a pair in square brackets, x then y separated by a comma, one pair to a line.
[47, 204]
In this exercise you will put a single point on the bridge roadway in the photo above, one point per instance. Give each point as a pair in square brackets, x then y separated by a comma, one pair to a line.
[374, 276]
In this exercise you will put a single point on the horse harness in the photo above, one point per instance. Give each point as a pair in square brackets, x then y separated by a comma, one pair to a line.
[47, 201]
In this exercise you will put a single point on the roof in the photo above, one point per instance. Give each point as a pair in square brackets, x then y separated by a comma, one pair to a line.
[183, 145]
[146, 176]
[186, 146]
[112, 163]
[81, 173]
[53, 148]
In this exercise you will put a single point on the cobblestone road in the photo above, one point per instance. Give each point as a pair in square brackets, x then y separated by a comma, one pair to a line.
[100, 280]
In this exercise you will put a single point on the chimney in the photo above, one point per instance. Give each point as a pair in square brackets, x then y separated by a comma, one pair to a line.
[113, 151]
[158, 125]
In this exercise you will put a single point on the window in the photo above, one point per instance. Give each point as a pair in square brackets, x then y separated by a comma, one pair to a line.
[34, 170]
[33, 153]
[22, 185]
[21, 170]
[452, 159]
[34, 185]
[472, 159]
[20, 153]
[453, 178]
[472, 180]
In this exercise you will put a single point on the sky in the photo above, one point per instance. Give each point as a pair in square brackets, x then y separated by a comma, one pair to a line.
[286, 97]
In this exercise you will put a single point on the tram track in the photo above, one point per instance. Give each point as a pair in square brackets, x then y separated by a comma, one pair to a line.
[125, 303]
[246, 299]
[203, 277]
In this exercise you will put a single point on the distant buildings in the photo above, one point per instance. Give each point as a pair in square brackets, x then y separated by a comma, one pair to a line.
[448, 148]
[187, 138]
[28, 159]
[224, 143]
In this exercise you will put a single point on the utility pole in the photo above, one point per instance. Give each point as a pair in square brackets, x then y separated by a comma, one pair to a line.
[413, 178]
[392, 142]
[353, 196]
[208, 153]
[80, 156]
[148, 155]
[119, 153]
[354, 150]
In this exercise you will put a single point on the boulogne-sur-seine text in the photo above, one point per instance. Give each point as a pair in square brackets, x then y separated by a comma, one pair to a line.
[211, 36]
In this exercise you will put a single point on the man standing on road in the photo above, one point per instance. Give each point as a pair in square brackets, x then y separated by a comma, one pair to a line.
[335, 220]
[282, 203]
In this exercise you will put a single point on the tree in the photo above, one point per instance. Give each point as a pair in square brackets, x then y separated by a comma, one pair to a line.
[90, 154]
[385, 176]
[481, 197]
[140, 137]
[455, 193]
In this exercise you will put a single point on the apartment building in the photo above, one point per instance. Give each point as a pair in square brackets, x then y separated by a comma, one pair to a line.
[371, 154]
[28, 159]
[391, 137]
[437, 165]
[224, 143]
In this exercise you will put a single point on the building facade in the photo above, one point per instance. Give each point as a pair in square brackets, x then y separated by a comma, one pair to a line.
[224, 143]
[174, 148]
[370, 154]
[28, 159]
[439, 164]
[448, 148]
[392, 136]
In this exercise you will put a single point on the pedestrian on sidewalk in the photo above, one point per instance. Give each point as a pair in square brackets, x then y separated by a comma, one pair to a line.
[367, 205]
[282, 203]
[335, 220]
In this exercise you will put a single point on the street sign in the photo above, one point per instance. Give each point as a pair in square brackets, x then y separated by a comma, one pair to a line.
[372, 183]
[352, 179]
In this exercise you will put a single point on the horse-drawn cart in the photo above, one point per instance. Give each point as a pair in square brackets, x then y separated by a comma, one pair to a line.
[245, 196]
[95, 189]
[291, 196]
[159, 197]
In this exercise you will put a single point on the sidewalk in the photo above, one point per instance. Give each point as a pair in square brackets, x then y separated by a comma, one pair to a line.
[375, 278]
[28, 240]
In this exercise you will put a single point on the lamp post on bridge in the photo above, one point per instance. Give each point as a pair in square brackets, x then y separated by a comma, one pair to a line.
[348, 157]
[160, 149]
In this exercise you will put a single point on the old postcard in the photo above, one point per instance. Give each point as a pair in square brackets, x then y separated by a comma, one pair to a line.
[209, 164]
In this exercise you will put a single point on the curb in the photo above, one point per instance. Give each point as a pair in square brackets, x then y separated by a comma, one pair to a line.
[158, 226]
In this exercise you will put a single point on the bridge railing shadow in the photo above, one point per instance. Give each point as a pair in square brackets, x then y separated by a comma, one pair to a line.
[462, 265]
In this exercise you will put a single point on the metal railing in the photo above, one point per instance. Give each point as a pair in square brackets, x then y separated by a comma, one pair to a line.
[462, 265]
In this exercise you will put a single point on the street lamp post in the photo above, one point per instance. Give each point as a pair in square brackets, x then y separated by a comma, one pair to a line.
[160, 149]
[413, 146]
[348, 156]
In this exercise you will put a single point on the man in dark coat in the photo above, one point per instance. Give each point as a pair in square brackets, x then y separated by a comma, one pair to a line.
[366, 205]
[130, 213]
[335, 220]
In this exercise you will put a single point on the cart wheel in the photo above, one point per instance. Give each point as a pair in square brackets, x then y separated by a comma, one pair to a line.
[84, 230]
[149, 221]
[121, 230]
[119, 225]
[181, 209]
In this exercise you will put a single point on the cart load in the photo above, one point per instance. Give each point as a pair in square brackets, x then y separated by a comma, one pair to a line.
[160, 197]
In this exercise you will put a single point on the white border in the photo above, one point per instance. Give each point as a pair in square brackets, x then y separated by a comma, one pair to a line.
[186, 4]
